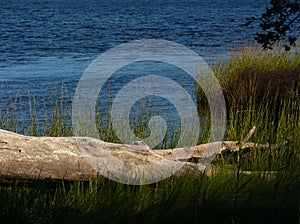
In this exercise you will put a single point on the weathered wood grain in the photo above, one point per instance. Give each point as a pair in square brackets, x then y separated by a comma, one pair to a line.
[27, 157]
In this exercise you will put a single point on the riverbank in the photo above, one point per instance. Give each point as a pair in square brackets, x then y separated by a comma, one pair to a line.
[260, 88]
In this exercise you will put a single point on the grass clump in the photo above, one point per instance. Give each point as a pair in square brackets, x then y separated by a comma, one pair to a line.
[262, 89]
[253, 76]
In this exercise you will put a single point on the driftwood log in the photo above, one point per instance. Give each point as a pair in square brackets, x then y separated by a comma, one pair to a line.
[32, 158]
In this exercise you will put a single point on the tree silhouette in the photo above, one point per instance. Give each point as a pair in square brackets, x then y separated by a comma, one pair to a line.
[279, 23]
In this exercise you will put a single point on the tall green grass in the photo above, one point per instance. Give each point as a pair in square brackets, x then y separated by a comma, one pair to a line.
[221, 198]
[55, 116]
[260, 88]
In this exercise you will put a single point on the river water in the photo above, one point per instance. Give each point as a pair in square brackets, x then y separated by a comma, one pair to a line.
[46, 42]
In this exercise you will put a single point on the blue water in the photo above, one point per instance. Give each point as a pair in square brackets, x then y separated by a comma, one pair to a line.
[45, 42]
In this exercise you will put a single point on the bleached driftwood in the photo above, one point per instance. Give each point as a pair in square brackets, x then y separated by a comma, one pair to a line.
[27, 157]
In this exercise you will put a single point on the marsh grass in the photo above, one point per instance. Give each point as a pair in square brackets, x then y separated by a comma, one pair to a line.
[221, 198]
[261, 89]
[53, 118]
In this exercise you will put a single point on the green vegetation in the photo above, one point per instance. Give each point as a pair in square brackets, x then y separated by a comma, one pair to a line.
[260, 88]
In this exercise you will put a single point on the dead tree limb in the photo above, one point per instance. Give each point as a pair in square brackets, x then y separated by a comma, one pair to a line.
[32, 158]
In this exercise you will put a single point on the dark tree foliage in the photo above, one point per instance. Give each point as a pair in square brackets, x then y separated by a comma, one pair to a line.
[279, 23]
